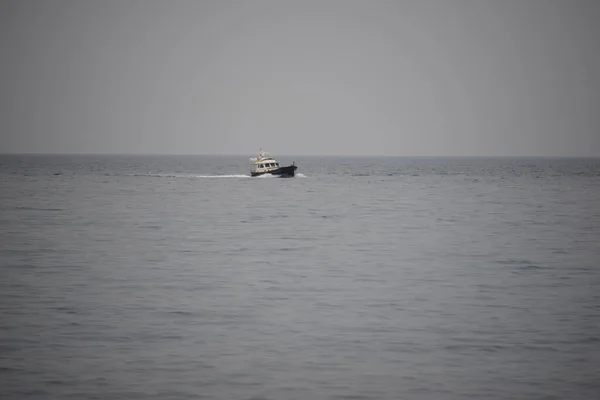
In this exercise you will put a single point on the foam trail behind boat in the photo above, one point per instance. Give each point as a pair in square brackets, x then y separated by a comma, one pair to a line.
[222, 176]
[190, 176]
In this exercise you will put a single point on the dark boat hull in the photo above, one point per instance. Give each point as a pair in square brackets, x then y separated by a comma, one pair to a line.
[282, 172]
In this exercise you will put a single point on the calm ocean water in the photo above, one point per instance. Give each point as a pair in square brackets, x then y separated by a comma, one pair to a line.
[179, 277]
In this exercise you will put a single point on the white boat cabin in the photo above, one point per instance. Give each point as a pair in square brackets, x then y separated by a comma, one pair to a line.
[263, 163]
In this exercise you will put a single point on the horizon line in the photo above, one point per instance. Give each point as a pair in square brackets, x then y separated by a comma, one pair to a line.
[288, 155]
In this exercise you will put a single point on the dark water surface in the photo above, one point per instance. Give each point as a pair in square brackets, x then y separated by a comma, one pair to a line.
[178, 277]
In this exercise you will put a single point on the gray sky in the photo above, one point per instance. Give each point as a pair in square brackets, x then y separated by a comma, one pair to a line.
[387, 77]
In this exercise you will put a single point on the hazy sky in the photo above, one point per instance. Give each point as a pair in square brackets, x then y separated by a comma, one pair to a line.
[388, 77]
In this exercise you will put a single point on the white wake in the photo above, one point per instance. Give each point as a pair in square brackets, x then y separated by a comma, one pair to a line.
[221, 176]
[265, 176]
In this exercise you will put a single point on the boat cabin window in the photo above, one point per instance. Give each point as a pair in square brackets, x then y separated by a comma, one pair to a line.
[264, 165]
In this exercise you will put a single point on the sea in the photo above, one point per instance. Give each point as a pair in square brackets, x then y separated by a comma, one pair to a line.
[181, 277]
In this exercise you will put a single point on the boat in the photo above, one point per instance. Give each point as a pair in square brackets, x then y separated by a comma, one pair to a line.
[266, 164]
